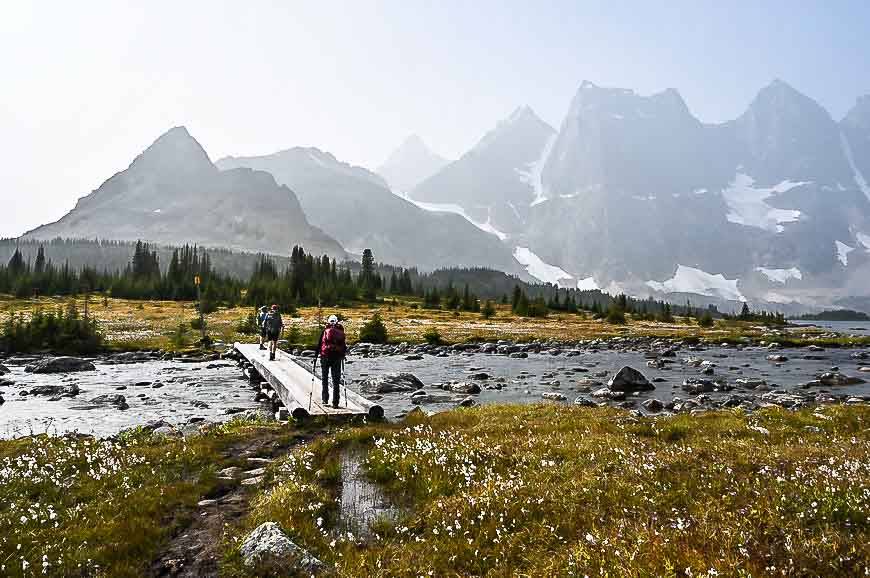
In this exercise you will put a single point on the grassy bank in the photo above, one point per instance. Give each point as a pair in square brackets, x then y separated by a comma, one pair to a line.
[78, 506]
[539, 490]
[558, 491]
[155, 324]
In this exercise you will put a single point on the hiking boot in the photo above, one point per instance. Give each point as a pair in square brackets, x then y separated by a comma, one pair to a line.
[335, 406]
[262, 348]
[271, 357]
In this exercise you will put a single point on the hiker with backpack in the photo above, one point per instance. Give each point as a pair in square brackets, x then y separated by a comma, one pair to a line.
[261, 327]
[331, 348]
[273, 325]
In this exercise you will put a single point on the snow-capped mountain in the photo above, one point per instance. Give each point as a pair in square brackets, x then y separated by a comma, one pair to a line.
[358, 208]
[496, 181]
[173, 194]
[410, 164]
[634, 193]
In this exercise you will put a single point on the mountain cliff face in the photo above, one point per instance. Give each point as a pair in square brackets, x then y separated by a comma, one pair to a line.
[410, 164]
[635, 194]
[173, 194]
[357, 207]
[494, 182]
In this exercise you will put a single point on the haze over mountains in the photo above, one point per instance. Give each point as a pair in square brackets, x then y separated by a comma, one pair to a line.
[632, 193]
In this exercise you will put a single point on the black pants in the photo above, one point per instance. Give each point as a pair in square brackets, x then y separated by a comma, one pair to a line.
[333, 366]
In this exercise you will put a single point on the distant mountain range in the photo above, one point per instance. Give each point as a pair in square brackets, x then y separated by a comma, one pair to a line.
[410, 164]
[173, 194]
[632, 193]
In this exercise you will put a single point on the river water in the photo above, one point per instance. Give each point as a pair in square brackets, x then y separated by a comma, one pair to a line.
[215, 391]
[844, 327]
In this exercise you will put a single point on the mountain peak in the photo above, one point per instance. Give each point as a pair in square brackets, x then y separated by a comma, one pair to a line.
[174, 151]
[522, 121]
[859, 115]
[410, 164]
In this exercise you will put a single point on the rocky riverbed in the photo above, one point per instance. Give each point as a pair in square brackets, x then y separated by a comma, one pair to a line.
[108, 394]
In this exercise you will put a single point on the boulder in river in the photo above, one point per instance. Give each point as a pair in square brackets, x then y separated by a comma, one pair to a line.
[553, 396]
[629, 379]
[2, 401]
[53, 390]
[777, 358]
[268, 550]
[112, 399]
[461, 387]
[60, 365]
[653, 405]
[391, 383]
[831, 378]
[4, 370]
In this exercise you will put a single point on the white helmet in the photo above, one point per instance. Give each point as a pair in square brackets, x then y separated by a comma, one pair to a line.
[332, 320]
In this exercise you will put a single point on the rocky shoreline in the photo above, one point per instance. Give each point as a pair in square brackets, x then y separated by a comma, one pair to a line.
[707, 379]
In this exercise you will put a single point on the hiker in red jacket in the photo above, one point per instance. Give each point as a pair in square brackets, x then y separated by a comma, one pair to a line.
[331, 349]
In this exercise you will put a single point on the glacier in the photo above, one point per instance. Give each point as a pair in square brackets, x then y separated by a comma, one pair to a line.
[747, 204]
[692, 280]
[780, 275]
[537, 268]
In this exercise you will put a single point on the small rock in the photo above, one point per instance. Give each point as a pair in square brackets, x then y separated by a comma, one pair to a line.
[519, 355]
[554, 396]
[653, 405]
[206, 503]
[584, 402]
[833, 378]
[777, 358]
[467, 402]
[414, 357]
[113, 399]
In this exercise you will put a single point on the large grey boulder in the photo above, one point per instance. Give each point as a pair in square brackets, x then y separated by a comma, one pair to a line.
[60, 365]
[835, 378]
[53, 390]
[391, 383]
[4, 370]
[267, 549]
[112, 399]
[629, 379]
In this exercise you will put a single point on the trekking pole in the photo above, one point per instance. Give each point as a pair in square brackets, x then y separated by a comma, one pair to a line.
[313, 377]
[344, 382]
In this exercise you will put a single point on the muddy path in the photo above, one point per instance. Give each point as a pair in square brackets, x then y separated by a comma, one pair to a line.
[195, 549]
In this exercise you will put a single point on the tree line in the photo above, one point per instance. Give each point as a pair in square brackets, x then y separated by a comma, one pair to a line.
[305, 279]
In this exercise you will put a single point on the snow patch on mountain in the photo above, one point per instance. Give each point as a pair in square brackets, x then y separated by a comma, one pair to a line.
[780, 275]
[843, 251]
[859, 178]
[587, 284]
[747, 205]
[864, 239]
[531, 174]
[538, 269]
[458, 210]
[692, 280]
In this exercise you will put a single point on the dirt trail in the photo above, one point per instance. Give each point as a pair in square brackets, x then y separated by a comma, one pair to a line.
[195, 550]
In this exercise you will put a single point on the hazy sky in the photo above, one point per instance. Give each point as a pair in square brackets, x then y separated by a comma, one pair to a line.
[87, 85]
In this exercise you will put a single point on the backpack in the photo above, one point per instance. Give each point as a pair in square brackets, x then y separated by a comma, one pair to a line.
[272, 322]
[333, 344]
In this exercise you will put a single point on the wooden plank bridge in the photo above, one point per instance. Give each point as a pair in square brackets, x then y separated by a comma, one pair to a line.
[299, 389]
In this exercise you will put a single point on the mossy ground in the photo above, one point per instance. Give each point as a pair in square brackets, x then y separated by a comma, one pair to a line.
[129, 324]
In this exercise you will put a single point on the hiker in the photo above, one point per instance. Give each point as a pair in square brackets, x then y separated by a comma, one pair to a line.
[261, 317]
[331, 348]
[273, 325]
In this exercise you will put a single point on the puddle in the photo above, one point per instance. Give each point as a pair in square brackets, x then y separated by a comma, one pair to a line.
[362, 501]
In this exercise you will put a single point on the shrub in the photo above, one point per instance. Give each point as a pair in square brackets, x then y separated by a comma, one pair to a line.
[488, 310]
[705, 320]
[432, 336]
[615, 315]
[374, 330]
[62, 331]
[179, 336]
[248, 325]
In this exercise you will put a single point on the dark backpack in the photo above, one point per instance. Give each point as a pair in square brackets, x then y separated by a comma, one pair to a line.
[272, 322]
[334, 344]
